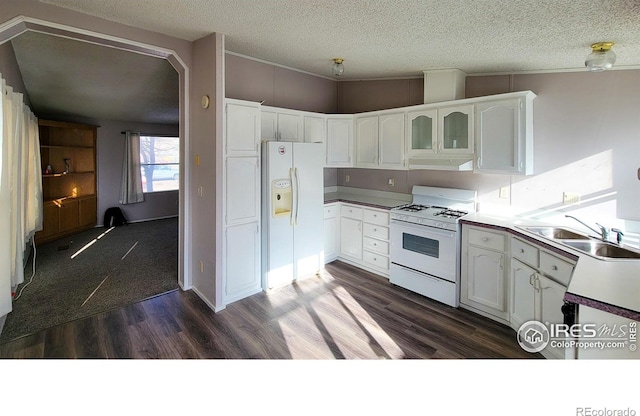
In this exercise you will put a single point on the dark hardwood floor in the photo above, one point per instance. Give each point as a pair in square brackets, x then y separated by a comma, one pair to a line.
[345, 313]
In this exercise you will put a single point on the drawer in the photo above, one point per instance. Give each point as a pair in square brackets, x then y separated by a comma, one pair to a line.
[377, 260]
[330, 211]
[376, 217]
[487, 239]
[375, 231]
[350, 211]
[524, 251]
[378, 246]
[556, 267]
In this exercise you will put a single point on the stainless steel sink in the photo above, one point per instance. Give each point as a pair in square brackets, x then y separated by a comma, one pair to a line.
[557, 233]
[602, 249]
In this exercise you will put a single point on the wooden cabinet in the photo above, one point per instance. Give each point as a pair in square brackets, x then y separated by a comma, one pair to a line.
[68, 160]
[484, 286]
[379, 141]
[339, 143]
[504, 135]
[242, 208]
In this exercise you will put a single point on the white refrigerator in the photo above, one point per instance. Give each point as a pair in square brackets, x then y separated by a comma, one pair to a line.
[292, 212]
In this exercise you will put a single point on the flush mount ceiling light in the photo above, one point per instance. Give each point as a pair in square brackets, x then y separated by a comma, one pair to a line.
[602, 57]
[337, 68]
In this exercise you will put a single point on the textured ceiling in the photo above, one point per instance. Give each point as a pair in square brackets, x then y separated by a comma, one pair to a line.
[377, 39]
[393, 38]
[66, 77]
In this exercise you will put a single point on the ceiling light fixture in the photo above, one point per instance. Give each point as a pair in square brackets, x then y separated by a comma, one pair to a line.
[337, 68]
[602, 57]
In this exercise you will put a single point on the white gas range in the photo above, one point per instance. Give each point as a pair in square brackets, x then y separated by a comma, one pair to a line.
[425, 242]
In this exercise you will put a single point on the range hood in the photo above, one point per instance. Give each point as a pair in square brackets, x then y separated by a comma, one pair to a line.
[454, 164]
[444, 85]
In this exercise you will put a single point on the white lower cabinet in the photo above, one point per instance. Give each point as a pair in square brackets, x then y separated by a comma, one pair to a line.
[331, 232]
[351, 232]
[362, 234]
[242, 261]
[483, 286]
[539, 281]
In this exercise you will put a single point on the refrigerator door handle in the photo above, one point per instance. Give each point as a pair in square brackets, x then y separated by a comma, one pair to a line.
[292, 202]
[297, 193]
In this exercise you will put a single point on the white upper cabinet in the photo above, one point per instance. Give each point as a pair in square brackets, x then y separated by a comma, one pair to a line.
[391, 136]
[455, 130]
[366, 142]
[422, 132]
[281, 125]
[242, 128]
[379, 141]
[314, 128]
[504, 134]
[446, 132]
[339, 143]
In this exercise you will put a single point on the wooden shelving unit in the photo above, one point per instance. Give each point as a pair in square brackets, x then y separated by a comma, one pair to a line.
[70, 200]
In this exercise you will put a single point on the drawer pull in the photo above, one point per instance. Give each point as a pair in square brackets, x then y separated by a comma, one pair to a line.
[374, 244]
[521, 250]
[375, 230]
[485, 239]
[375, 215]
[554, 267]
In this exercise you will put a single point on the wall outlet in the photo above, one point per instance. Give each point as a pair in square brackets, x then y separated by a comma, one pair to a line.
[346, 178]
[391, 182]
[569, 198]
[504, 192]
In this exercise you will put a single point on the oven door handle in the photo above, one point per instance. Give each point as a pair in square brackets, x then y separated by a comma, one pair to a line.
[419, 230]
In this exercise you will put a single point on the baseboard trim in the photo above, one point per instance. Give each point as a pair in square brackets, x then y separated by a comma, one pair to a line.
[143, 220]
[205, 300]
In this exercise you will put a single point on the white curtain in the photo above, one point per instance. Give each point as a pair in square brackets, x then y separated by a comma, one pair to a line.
[131, 186]
[20, 189]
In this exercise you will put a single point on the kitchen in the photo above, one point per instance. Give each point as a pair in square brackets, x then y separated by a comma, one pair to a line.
[570, 153]
[592, 173]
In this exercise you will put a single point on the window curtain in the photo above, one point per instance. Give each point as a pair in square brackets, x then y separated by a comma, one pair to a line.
[20, 189]
[131, 186]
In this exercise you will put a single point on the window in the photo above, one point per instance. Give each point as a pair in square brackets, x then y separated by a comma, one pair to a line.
[159, 163]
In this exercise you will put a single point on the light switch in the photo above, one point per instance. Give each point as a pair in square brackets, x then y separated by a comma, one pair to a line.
[197, 160]
[504, 192]
[346, 178]
[391, 182]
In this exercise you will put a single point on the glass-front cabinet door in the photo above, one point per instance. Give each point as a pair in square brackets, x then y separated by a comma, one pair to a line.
[421, 132]
[455, 130]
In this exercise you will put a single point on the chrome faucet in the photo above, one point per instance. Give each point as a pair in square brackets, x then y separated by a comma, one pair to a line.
[619, 235]
[604, 231]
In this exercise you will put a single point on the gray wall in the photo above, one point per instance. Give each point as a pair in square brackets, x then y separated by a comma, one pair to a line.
[110, 154]
[251, 80]
[10, 71]
[362, 96]
[586, 140]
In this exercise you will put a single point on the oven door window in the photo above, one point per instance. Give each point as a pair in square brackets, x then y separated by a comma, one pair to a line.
[427, 246]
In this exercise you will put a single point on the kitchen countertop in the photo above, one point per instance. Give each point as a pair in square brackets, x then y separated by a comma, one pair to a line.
[382, 200]
[609, 285]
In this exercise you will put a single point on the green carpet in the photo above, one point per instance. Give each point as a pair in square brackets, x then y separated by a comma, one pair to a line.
[117, 268]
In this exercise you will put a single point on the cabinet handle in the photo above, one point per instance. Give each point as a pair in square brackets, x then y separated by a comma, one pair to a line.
[531, 280]
[374, 244]
[521, 250]
[375, 230]
[554, 267]
[485, 239]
